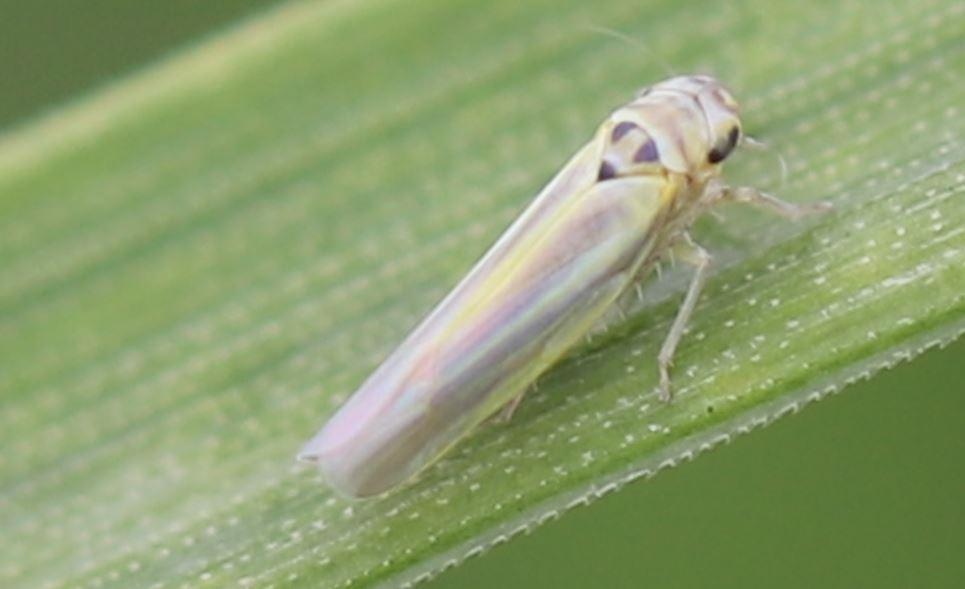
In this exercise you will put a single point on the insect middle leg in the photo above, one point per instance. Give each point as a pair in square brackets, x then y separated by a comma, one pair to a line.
[686, 250]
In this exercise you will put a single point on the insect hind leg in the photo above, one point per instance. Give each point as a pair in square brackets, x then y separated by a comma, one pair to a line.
[506, 412]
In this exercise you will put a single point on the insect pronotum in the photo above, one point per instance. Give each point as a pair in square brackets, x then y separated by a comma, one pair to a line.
[623, 202]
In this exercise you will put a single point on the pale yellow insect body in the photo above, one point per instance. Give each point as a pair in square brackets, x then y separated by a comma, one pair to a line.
[623, 202]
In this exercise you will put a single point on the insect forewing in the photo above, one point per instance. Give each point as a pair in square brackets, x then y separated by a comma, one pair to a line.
[548, 279]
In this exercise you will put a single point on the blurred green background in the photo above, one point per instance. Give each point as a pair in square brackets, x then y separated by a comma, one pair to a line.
[864, 489]
[53, 51]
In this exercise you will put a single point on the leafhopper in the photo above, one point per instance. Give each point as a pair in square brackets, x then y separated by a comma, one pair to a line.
[621, 204]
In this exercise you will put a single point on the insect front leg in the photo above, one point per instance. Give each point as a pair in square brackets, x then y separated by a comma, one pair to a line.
[753, 196]
[687, 251]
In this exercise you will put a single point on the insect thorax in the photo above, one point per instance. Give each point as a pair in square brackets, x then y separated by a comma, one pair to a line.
[629, 151]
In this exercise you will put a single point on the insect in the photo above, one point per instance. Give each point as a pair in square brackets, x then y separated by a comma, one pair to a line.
[621, 204]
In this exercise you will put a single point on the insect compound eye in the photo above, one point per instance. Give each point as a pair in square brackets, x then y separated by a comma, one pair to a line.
[720, 152]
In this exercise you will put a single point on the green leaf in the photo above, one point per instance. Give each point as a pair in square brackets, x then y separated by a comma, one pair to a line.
[200, 263]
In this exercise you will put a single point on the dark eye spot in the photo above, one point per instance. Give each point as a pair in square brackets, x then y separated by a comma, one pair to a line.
[606, 172]
[716, 155]
[621, 129]
[720, 152]
[646, 153]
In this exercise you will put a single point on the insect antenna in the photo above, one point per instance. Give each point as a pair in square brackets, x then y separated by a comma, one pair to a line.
[758, 145]
[654, 57]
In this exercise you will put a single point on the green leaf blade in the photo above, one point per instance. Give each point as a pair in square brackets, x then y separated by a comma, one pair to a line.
[201, 263]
